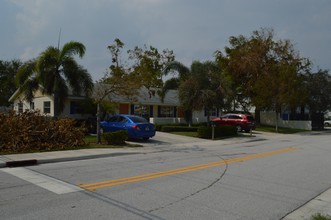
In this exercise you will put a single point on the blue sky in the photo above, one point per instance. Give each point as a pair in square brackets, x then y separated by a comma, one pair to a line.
[193, 29]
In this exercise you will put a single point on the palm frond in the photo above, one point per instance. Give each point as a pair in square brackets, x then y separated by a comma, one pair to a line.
[176, 66]
[28, 88]
[25, 72]
[73, 48]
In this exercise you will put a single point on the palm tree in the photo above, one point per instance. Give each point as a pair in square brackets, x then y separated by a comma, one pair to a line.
[56, 72]
[173, 83]
[200, 87]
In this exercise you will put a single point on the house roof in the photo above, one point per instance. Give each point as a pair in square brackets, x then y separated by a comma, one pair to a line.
[144, 97]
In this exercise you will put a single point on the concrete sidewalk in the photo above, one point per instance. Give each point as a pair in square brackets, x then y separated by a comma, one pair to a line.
[321, 204]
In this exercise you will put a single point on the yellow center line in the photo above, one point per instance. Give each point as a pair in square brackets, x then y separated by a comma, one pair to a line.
[133, 179]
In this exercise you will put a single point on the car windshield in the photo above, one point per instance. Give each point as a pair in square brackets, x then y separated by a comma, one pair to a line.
[137, 119]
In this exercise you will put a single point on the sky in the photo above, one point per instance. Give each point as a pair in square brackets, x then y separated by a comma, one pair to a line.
[193, 29]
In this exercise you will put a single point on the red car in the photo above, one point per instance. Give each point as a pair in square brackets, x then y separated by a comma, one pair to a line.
[241, 121]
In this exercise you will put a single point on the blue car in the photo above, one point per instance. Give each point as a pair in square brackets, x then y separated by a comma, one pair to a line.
[136, 126]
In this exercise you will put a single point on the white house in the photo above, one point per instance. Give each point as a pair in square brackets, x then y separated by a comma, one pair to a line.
[142, 104]
[45, 104]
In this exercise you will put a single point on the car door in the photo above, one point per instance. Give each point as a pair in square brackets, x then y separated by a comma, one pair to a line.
[109, 124]
[119, 123]
[231, 120]
[224, 120]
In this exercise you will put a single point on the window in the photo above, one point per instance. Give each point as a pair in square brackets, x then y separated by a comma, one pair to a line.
[119, 119]
[166, 111]
[122, 119]
[75, 108]
[20, 107]
[32, 105]
[47, 107]
[212, 112]
[137, 119]
[234, 117]
[142, 110]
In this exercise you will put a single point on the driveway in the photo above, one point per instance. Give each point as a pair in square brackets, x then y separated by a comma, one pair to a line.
[162, 138]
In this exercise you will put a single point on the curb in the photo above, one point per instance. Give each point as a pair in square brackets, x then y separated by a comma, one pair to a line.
[21, 163]
[32, 162]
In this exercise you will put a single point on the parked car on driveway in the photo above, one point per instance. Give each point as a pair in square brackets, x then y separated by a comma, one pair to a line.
[327, 123]
[242, 122]
[136, 126]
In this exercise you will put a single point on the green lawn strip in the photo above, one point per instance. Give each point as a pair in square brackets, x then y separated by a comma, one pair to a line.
[263, 128]
[281, 130]
[195, 135]
[186, 133]
[320, 217]
[91, 142]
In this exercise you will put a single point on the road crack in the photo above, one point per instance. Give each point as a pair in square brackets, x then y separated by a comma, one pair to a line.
[196, 192]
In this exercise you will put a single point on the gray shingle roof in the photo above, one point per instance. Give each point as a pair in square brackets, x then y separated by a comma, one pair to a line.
[143, 97]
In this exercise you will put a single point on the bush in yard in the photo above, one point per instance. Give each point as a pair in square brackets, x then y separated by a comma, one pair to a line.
[178, 129]
[30, 131]
[220, 131]
[319, 216]
[158, 127]
[116, 137]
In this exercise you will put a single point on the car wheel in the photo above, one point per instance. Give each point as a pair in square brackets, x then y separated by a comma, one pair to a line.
[145, 138]
[326, 124]
[247, 130]
[239, 129]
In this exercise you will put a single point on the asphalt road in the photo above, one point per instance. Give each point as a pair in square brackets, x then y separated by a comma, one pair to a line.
[265, 177]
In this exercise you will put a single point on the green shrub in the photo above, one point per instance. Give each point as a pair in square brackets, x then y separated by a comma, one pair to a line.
[220, 131]
[116, 137]
[319, 216]
[158, 127]
[205, 132]
[178, 129]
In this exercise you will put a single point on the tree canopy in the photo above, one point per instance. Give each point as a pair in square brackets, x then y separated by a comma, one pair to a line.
[8, 71]
[264, 70]
[318, 91]
[123, 79]
[56, 73]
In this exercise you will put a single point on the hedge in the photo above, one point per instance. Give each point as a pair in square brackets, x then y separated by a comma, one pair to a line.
[159, 127]
[220, 131]
[179, 129]
[116, 137]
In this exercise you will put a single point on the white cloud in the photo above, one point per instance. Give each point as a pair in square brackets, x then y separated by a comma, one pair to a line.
[193, 29]
[29, 53]
[33, 18]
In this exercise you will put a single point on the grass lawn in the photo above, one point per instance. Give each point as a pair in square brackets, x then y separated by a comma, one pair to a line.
[321, 217]
[91, 141]
[272, 129]
[264, 128]
[186, 133]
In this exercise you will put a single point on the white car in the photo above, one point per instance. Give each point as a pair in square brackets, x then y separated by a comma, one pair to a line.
[327, 123]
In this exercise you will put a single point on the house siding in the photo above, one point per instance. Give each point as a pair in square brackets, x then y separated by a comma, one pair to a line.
[38, 104]
[269, 118]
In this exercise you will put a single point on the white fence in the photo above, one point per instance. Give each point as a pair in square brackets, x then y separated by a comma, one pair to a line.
[269, 118]
[174, 120]
[166, 120]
